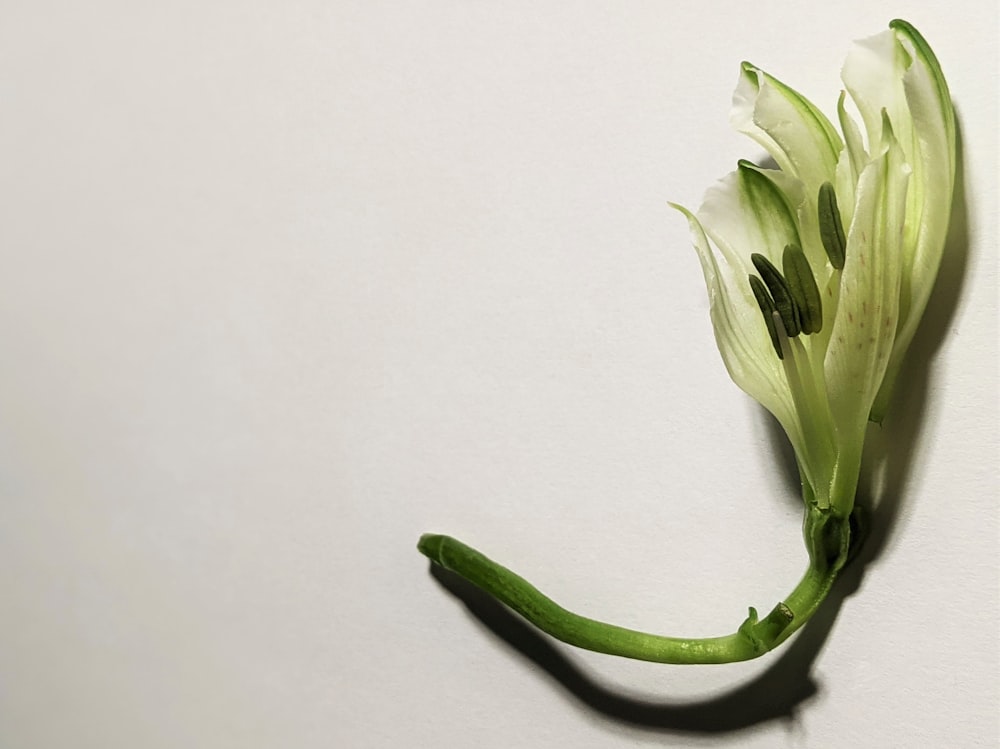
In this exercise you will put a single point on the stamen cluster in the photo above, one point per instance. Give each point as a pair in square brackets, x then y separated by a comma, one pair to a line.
[791, 303]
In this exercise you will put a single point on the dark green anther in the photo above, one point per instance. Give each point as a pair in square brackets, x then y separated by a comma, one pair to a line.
[780, 293]
[831, 227]
[802, 284]
[768, 309]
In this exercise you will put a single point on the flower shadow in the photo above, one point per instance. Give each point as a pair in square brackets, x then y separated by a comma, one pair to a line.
[787, 683]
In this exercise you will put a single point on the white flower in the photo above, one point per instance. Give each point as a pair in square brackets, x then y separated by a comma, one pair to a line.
[818, 272]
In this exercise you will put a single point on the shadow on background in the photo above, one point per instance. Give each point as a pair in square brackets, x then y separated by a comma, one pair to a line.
[773, 694]
[787, 683]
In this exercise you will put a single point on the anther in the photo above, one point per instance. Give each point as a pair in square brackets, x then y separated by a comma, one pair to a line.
[831, 227]
[780, 293]
[767, 309]
[802, 284]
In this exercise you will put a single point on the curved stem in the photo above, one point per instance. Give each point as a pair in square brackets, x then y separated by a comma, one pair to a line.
[753, 638]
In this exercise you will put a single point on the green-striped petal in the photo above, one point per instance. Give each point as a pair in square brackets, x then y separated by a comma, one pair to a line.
[797, 135]
[932, 156]
[742, 338]
[864, 328]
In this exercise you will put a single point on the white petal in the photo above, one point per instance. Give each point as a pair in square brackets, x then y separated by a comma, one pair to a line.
[796, 134]
[853, 159]
[929, 207]
[747, 212]
[873, 74]
[867, 312]
[741, 334]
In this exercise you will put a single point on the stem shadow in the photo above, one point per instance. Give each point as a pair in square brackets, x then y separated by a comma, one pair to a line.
[788, 682]
[776, 693]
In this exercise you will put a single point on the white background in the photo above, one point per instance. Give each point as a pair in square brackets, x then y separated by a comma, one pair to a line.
[285, 284]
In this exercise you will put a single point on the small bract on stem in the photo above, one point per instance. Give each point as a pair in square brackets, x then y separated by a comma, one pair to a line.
[817, 273]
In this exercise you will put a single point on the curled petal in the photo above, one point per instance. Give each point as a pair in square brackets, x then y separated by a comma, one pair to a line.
[933, 159]
[796, 134]
[873, 75]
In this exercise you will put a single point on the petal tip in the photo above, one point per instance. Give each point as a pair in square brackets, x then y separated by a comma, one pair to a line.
[680, 209]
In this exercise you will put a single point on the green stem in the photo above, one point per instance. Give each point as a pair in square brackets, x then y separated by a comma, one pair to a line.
[752, 639]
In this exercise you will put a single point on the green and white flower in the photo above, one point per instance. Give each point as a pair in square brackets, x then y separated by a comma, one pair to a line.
[818, 272]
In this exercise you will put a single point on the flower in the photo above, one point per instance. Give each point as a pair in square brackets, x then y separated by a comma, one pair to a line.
[818, 272]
